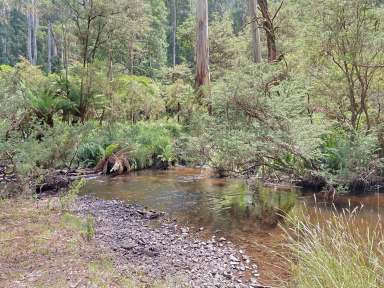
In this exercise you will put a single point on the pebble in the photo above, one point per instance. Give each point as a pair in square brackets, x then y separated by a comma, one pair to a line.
[233, 258]
[163, 252]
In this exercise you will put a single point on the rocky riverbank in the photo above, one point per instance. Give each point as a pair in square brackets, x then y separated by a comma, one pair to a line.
[145, 242]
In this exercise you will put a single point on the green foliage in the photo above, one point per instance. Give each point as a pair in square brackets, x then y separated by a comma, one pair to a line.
[147, 143]
[225, 48]
[90, 154]
[180, 100]
[344, 59]
[111, 149]
[157, 40]
[84, 92]
[153, 143]
[259, 118]
[345, 159]
[13, 32]
[137, 97]
[267, 119]
[89, 228]
[32, 153]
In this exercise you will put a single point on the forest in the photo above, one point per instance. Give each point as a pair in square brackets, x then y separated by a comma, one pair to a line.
[285, 92]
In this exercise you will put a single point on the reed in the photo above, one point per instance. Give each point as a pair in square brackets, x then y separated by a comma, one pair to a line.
[336, 251]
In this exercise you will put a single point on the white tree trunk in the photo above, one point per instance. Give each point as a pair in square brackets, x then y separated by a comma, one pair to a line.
[29, 37]
[174, 27]
[35, 22]
[256, 44]
[49, 47]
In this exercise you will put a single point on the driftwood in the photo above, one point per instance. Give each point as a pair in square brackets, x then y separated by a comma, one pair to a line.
[116, 164]
[53, 182]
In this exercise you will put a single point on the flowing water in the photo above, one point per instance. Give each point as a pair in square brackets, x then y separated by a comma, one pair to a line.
[226, 208]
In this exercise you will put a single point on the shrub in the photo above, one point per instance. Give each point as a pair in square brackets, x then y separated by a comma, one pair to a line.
[153, 142]
[344, 158]
[90, 154]
[142, 145]
[259, 119]
[89, 228]
[137, 98]
[30, 156]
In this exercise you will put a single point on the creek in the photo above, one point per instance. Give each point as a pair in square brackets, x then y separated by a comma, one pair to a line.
[228, 208]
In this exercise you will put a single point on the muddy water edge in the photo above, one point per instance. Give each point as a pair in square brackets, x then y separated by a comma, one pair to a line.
[230, 209]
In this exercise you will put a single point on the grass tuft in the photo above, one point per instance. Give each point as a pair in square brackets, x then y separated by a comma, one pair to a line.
[67, 198]
[338, 251]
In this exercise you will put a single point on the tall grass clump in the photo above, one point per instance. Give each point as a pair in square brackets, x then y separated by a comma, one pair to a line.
[337, 251]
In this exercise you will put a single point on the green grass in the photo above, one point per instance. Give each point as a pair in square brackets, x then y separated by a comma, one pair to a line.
[340, 251]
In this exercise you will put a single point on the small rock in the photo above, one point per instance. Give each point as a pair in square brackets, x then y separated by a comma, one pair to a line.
[227, 274]
[184, 230]
[233, 258]
[128, 245]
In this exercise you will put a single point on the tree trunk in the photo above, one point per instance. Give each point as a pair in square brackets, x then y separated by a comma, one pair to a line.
[131, 56]
[84, 73]
[62, 48]
[269, 30]
[256, 44]
[65, 57]
[29, 37]
[54, 44]
[110, 65]
[49, 47]
[174, 27]
[202, 46]
[110, 79]
[35, 24]
[5, 48]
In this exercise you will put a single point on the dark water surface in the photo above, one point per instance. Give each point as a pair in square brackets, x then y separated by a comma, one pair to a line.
[226, 207]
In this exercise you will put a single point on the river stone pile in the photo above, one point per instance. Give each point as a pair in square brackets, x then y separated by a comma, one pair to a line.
[165, 251]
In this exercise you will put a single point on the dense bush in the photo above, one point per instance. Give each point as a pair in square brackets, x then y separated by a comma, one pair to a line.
[68, 146]
[344, 158]
[136, 98]
[252, 123]
[313, 112]
[90, 154]
[148, 143]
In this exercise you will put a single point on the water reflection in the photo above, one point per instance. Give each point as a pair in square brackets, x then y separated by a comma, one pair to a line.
[195, 199]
